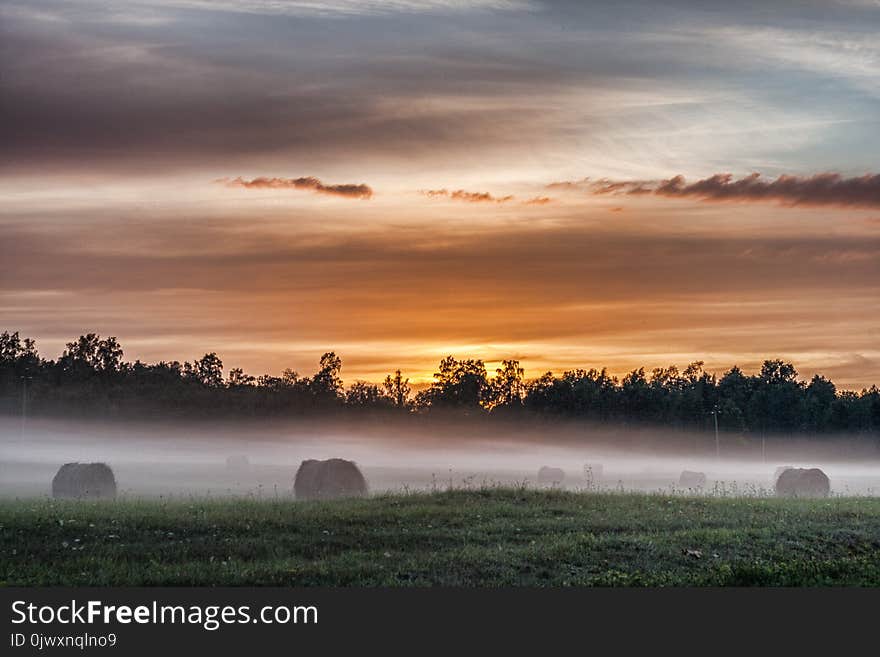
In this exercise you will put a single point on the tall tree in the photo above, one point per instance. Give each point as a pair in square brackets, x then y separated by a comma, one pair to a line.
[460, 384]
[238, 379]
[90, 354]
[397, 388]
[819, 399]
[776, 404]
[208, 370]
[508, 388]
[366, 395]
[326, 383]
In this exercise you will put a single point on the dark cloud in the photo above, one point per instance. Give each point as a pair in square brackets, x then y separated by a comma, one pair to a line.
[633, 188]
[482, 197]
[470, 197]
[568, 184]
[817, 190]
[820, 189]
[118, 91]
[605, 186]
[120, 98]
[361, 191]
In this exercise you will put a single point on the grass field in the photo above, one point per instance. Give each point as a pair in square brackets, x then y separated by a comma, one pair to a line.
[485, 537]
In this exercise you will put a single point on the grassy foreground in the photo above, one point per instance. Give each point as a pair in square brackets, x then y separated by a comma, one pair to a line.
[472, 538]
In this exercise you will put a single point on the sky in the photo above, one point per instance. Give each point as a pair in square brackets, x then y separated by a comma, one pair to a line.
[570, 184]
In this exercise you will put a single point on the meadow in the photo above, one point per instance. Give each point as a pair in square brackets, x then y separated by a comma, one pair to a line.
[477, 537]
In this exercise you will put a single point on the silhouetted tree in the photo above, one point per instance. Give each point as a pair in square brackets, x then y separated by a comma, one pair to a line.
[326, 384]
[367, 395]
[776, 403]
[638, 397]
[819, 404]
[208, 370]
[18, 353]
[238, 379]
[89, 354]
[397, 388]
[590, 393]
[459, 384]
[508, 387]
[91, 376]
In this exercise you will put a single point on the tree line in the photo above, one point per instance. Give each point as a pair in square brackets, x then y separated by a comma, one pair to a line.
[92, 377]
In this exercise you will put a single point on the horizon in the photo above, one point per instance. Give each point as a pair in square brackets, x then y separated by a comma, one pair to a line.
[563, 184]
[419, 384]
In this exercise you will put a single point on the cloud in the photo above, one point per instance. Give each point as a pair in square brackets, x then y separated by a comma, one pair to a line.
[820, 189]
[261, 289]
[533, 263]
[342, 8]
[469, 197]
[146, 103]
[605, 186]
[361, 191]
[817, 190]
[632, 187]
[482, 197]
[396, 90]
[568, 184]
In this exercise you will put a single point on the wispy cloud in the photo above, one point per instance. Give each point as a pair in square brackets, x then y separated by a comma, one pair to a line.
[817, 190]
[361, 191]
[850, 56]
[329, 8]
[470, 197]
[482, 197]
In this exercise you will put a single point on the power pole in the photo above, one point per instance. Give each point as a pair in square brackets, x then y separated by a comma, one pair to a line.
[715, 413]
[763, 444]
[24, 380]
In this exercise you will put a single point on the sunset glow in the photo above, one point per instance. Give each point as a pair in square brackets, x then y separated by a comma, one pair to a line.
[399, 182]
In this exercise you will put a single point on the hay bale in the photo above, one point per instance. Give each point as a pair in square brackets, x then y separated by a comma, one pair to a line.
[550, 476]
[593, 472]
[84, 481]
[803, 482]
[324, 480]
[778, 471]
[690, 479]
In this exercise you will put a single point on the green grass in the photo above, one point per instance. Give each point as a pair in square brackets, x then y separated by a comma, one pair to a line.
[490, 537]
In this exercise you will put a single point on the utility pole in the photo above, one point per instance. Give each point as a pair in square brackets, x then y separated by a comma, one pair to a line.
[764, 442]
[24, 380]
[715, 413]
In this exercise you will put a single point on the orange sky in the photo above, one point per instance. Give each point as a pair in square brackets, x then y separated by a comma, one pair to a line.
[273, 280]
[271, 183]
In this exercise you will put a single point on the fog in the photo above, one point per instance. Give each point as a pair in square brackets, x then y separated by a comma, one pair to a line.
[162, 459]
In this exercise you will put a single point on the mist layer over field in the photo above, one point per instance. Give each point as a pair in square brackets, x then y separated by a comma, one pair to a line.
[163, 459]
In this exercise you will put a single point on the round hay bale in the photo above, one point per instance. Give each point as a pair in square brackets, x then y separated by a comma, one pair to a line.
[84, 481]
[690, 479]
[330, 479]
[803, 482]
[550, 476]
[778, 471]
